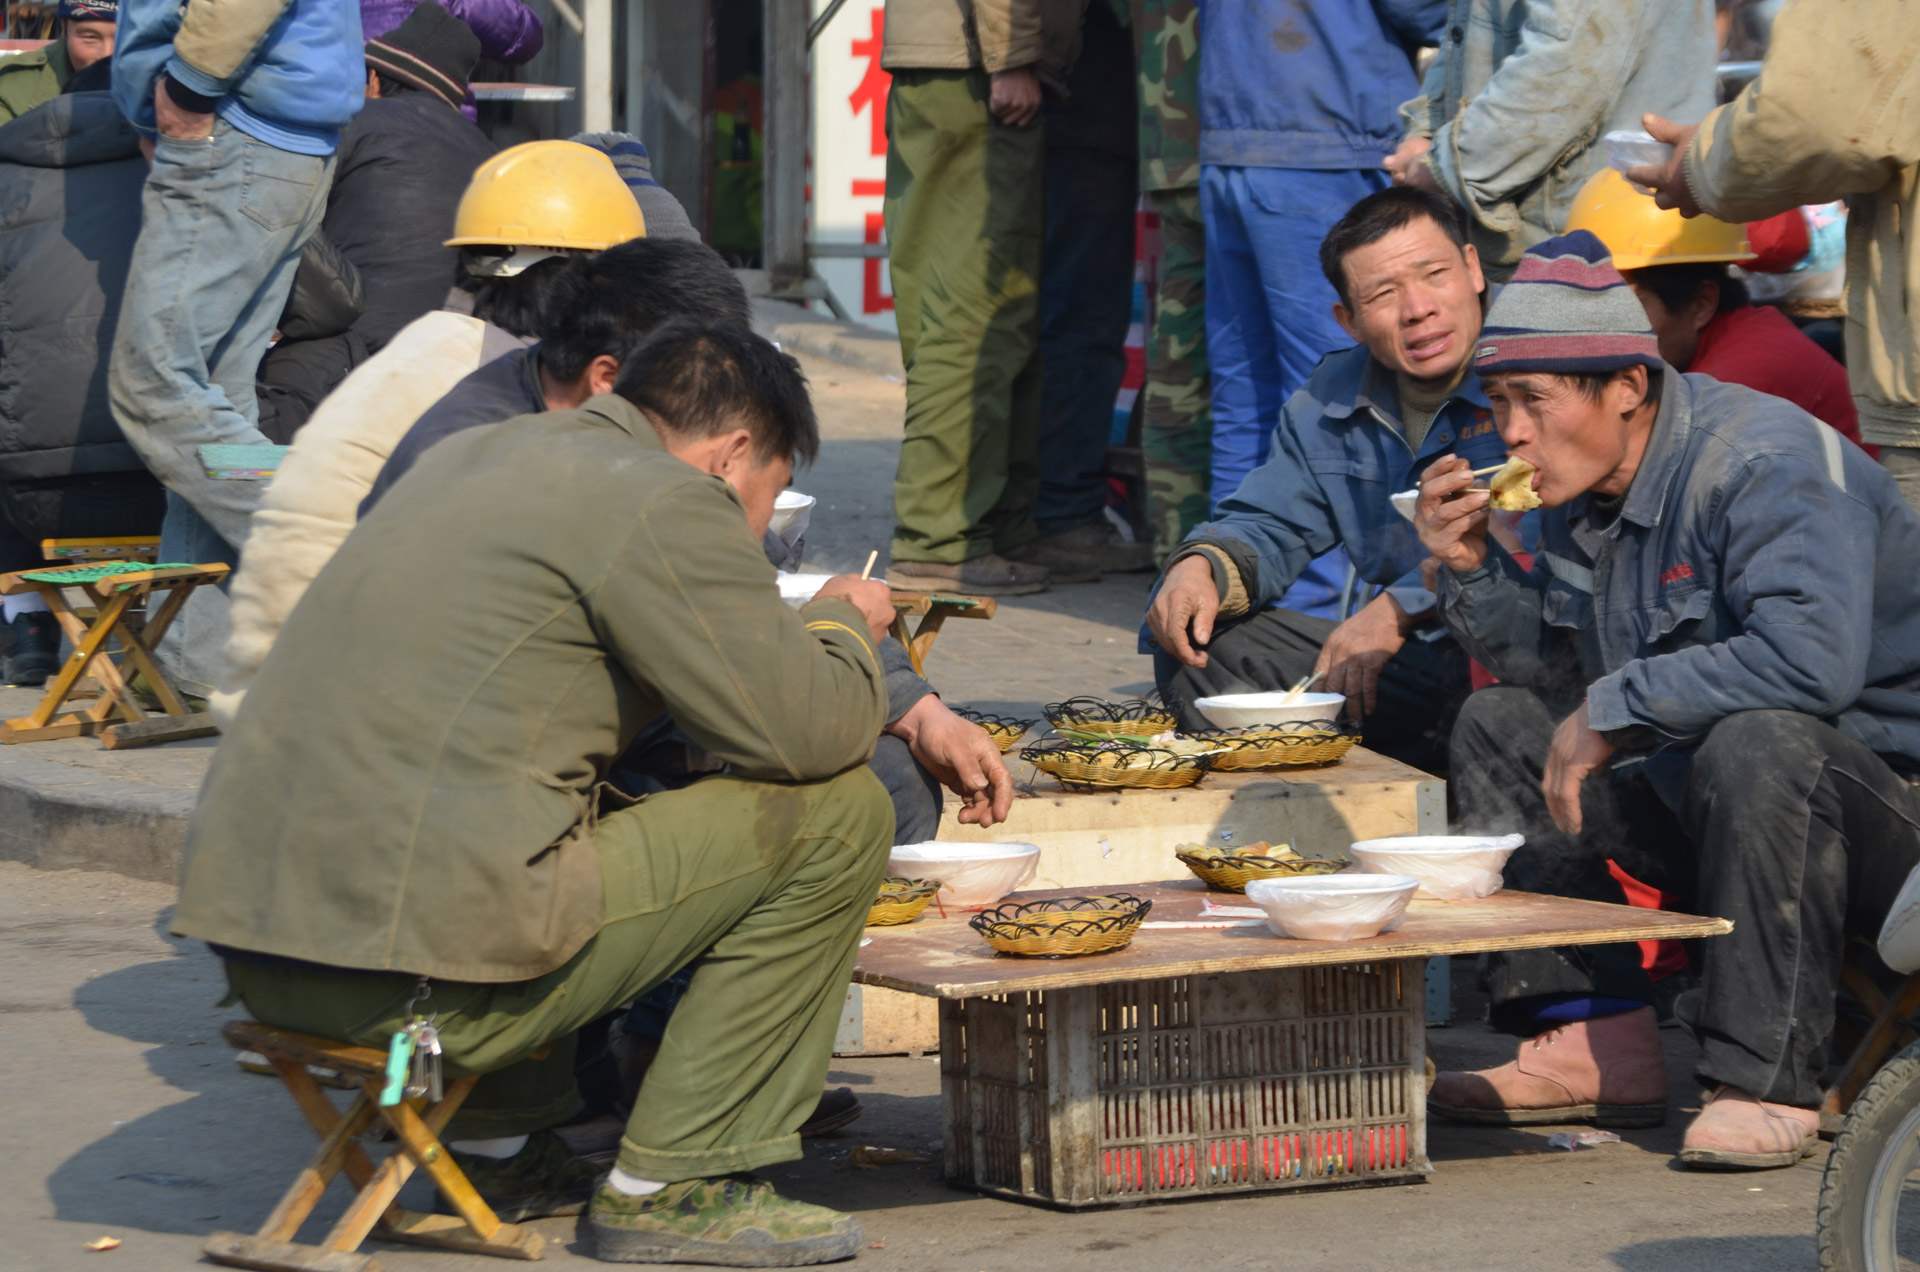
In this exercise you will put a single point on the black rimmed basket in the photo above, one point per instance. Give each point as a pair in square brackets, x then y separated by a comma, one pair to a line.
[901, 900]
[1097, 718]
[1231, 869]
[1004, 730]
[1064, 927]
[1297, 744]
[1091, 765]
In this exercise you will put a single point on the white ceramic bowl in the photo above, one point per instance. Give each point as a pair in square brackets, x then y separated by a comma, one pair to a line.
[798, 589]
[788, 506]
[972, 876]
[1451, 867]
[1239, 710]
[1338, 907]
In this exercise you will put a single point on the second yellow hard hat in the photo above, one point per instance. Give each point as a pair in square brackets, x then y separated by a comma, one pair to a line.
[1639, 232]
[554, 194]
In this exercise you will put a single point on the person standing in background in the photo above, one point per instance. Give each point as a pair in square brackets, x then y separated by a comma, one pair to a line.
[86, 37]
[1510, 120]
[1086, 303]
[508, 30]
[1176, 422]
[240, 106]
[965, 217]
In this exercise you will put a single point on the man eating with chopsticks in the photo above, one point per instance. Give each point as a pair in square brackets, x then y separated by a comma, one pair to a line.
[1710, 675]
[1366, 421]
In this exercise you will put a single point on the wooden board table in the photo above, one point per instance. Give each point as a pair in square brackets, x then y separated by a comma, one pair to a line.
[1199, 1062]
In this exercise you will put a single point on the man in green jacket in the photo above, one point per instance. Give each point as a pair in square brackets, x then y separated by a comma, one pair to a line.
[439, 841]
[31, 79]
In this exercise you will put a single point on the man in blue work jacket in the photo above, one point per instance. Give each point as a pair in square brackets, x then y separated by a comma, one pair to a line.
[1365, 423]
[1710, 675]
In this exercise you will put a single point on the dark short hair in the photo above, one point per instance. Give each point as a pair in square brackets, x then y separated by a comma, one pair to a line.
[1677, 285]
[518, 303]
[702, 379]
[1378, 215]
[609, 302]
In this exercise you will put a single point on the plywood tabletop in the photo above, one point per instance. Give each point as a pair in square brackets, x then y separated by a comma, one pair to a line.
[1358, 770]
[941, 957]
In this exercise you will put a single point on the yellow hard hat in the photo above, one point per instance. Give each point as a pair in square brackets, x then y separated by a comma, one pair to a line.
[1639, 232]
[553, 194]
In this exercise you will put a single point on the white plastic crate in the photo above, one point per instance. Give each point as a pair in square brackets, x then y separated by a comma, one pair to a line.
[1194, 1086]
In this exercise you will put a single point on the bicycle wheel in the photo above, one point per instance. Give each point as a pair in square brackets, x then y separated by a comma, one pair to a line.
[1870, 1194]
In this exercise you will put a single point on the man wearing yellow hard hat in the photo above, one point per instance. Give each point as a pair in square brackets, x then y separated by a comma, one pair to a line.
[526, 209]
[1699, 311]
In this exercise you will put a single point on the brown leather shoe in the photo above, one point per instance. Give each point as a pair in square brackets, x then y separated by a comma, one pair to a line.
[1607, 1071]
[1735, 1131]
[1084, 553]
[989, 575]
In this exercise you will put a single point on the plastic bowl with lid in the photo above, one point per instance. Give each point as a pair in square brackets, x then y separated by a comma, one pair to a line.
[1342, 907]
[972, 876]
[1239, 710]
[1450, 867]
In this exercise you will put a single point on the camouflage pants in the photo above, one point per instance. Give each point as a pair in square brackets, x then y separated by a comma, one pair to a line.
[1176, 430]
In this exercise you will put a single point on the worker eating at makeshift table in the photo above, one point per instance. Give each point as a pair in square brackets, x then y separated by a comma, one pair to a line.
[1711, 675]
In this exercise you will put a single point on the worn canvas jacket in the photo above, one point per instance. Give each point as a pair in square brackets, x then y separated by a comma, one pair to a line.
[1337, 454]
[413, 780]
[987, 35]
[1758, 561]
[1836, 113]
[28, 79]
[1523, 90]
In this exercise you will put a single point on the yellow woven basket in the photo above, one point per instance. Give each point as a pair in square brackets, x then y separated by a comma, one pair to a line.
[1231, 869]
[901, 901]
[1096, 718]
[1280, 746]
[1004, 730]
[1065, 927]
[1117, 765]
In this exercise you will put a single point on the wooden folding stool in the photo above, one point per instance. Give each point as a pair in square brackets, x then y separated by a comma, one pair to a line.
[416, 1125]
[934, 609]
[120, 547]
[117, 591]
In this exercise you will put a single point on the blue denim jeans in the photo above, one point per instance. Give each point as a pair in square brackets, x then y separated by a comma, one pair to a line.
[222, 225]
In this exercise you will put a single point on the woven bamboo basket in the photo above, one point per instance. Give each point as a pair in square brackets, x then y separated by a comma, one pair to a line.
[1096, 718]
[1004, 730]
[1231, 869]
[1063, 928]
[1117, 764]
[1267, 746]
[901, 900]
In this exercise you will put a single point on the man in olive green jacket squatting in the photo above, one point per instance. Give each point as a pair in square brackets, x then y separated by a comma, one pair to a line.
[33, 79]
[966, 181]
[437, 842]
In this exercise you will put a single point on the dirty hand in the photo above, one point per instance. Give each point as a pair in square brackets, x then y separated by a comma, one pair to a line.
[181, 125]
[873, 598]
[1576, 752]
[1451, 519]
[1189, 599]
[961, 758]
[1668, 181]
[1015, 96]
[1405, 167]
[1357, 651]
[1430, 575]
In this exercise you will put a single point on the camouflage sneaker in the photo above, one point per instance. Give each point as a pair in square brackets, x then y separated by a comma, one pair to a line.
[735, 1221]
[541, 1180]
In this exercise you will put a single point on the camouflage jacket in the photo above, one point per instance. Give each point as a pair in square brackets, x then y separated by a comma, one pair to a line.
[1166, 44]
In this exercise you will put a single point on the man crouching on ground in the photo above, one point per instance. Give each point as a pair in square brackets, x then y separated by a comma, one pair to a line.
[1708, 677]
[410, 800]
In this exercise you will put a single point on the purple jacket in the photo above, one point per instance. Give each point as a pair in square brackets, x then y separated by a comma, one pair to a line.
[508, 30]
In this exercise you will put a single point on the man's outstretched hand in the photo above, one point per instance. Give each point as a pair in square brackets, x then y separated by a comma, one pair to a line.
[1359, 649]
[1182, 614]
[1577, 752]
[1668, 181]
[961, 758]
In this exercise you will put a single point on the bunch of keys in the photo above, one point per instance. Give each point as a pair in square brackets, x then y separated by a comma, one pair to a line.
[413, 1058]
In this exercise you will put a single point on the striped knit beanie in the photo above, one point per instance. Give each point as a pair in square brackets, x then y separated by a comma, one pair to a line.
[432, 50]
[1566, 310]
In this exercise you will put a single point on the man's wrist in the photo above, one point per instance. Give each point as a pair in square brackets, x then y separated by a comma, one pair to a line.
[185, 98]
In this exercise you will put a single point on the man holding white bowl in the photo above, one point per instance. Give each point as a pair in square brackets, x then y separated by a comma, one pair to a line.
[1366, 421]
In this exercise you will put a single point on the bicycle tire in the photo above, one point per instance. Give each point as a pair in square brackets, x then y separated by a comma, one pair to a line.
[1860, 1189]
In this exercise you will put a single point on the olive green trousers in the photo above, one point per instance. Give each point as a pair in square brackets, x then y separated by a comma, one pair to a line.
[767, 885]
[965, 214]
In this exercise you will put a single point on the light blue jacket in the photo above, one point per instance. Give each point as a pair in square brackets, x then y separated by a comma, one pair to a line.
[1759, 561]
[1523, 90]
[1337, 454]
[303, 82]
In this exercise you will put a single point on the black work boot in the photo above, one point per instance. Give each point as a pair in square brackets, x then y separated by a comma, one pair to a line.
[36, 648]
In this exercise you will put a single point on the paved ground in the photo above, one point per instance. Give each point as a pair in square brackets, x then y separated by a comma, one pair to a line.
[124, 1114]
